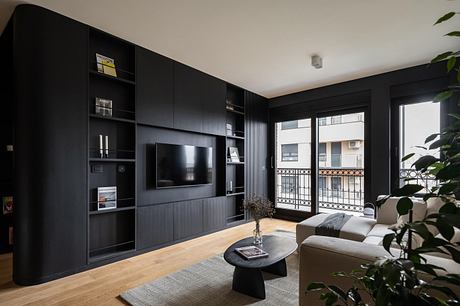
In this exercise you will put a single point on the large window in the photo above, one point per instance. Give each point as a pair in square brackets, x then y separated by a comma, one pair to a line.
[289, 125]
[290, 152]
[416, 122]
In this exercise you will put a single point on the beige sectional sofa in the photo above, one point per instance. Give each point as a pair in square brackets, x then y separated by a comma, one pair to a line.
[359, 242]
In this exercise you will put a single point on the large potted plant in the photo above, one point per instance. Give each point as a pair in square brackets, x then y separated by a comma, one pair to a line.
[408, 279]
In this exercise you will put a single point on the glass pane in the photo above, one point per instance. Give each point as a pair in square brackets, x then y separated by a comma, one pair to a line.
[292, 179]
[286, 125]
[341, 163]
[416, 122]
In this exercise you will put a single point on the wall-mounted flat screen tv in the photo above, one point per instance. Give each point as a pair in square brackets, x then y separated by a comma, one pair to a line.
[182, 165]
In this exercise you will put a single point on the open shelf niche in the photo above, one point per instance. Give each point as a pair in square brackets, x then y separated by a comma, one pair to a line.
[235, 168]
[112, 232]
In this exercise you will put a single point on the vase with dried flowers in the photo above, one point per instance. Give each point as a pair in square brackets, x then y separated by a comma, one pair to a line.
[258, 207]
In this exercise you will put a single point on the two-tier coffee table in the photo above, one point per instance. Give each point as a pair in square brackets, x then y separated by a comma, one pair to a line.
[247, 277]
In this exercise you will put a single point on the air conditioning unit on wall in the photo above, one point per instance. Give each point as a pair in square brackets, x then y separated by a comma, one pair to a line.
[354, 144]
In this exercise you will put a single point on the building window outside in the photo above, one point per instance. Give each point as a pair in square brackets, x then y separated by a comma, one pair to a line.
[289, 152]
[289, 125]
[288, 184]
[336, 186]
[336, 154]
[322, 187]
[322, 121]
[336, 119]
[322, 152]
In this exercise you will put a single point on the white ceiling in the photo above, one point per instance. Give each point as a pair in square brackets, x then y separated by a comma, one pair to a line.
[264, 45]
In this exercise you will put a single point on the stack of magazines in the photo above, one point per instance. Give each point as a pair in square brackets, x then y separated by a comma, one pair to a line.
[251, 252]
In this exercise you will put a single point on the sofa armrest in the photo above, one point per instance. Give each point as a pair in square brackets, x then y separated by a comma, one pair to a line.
[320, 256]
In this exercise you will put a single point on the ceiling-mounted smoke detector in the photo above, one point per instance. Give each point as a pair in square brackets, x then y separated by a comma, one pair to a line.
[316, 61]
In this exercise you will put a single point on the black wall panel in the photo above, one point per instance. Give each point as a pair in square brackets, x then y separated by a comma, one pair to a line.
[154, 88]
[188, 218]
[256, 147]
[214, 213]
[50, 144]
[155, 225]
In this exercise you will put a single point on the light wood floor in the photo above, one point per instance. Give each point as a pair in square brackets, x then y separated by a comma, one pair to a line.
[101, 286]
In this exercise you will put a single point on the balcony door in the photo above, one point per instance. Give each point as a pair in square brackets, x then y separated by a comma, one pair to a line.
[341, 163]
[293, 165]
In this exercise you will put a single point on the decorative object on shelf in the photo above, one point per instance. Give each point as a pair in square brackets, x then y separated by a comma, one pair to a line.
[229, 129]
[106, 146]
[103, 107]
[230, 186]
[106, 65]
[258, 207]
[10, 235]
[233, 154]
[97, 168]
[9, 148]
[251, 252]
[7, 205]
[229, 104]
[101, 145]
[106, 198]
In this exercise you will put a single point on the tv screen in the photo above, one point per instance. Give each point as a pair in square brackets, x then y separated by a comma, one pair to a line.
[182, 165]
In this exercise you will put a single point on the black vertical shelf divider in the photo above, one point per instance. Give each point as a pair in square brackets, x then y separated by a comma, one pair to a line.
[112, 232]
[235, 165]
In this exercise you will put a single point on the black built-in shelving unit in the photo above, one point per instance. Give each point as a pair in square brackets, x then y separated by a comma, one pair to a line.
[112, 232]
[235, 170]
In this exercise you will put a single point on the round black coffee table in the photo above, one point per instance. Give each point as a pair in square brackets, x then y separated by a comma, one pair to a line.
[247, 277]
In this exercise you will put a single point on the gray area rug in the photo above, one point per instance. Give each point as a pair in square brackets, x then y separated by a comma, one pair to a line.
[210, 283]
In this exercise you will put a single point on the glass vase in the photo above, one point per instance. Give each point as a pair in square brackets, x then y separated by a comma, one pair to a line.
[257, 234]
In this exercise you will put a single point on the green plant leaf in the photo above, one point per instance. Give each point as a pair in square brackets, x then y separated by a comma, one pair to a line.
[442, 56]
[443, 96]
[451, 62]
[339, 292]
[450, 278]
[387, 240]
[448, 172]
[446, 230]
[315, 286]
[408, 156]
[404, 206]
[448, 208]
[448, 188]
[431, 137]
[453, 33]
[458, 76]
[440, 142]
[445, 18]
[354, 295]
[424, 162]
[407, 190]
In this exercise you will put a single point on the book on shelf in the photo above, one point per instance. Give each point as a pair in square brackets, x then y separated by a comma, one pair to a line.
[106, 65]
[233, 155]
[106, 198]
[251, 252]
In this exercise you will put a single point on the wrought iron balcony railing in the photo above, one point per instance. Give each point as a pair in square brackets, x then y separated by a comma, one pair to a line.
[338, 189]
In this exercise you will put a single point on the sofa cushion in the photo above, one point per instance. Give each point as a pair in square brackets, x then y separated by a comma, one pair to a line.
[388, 213]
[355, 229]
[380, 230]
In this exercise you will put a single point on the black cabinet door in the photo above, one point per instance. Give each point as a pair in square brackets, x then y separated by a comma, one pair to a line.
[213, 105]
[256, 144]
[155, 225]
[214, 213]
[187, 98]
[188, 218]
[154, 88]
[50, 145]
